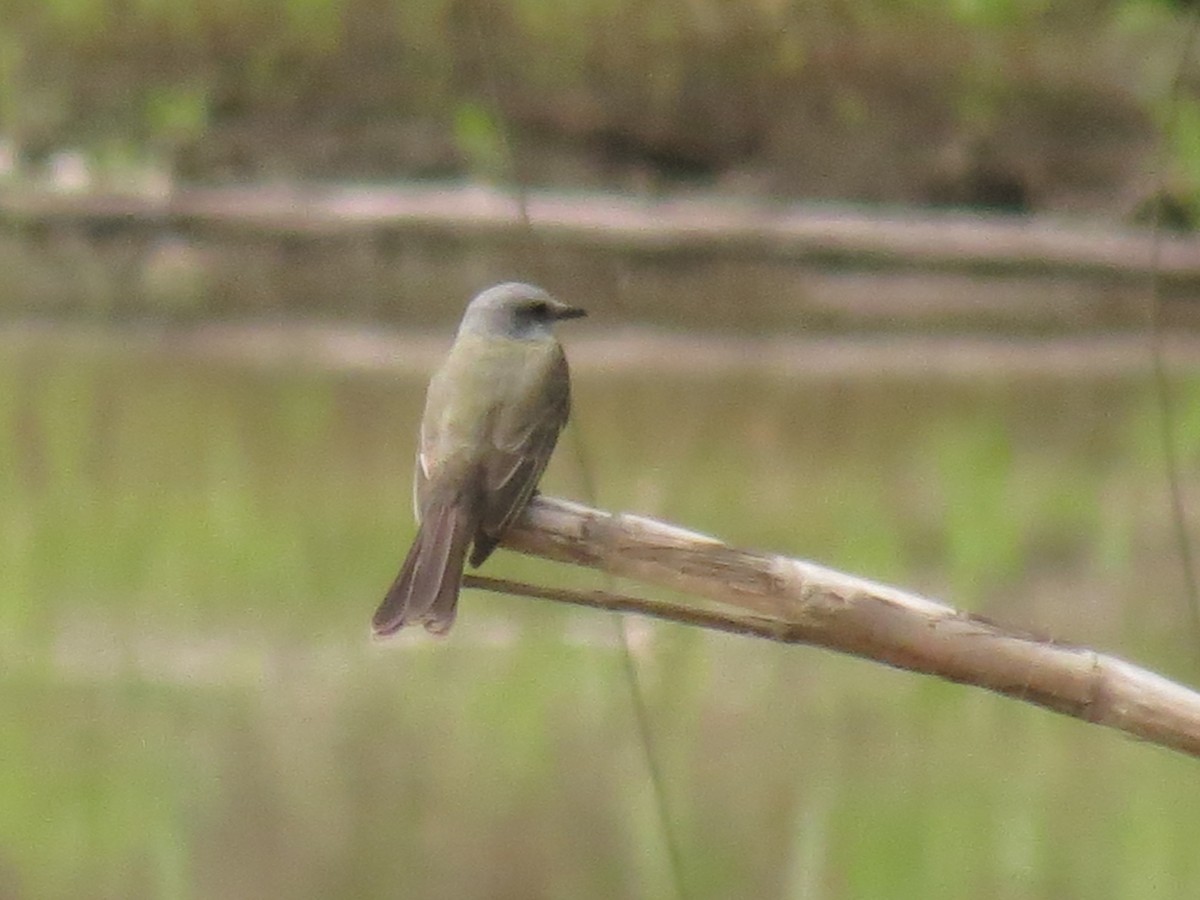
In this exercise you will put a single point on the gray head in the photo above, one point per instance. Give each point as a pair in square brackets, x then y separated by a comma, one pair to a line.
[515, 310]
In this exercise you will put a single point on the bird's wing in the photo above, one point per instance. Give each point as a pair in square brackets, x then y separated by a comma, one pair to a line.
[522, 440]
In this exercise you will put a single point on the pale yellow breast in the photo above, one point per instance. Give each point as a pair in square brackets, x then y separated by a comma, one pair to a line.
[482, 381]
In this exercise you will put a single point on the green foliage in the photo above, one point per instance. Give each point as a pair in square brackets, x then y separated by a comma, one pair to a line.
[177, 113]
[279, 80]
[1183, 139]
[999, 14]
[480, 141]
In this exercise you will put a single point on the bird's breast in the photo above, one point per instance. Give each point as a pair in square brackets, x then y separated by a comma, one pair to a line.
[482, 381]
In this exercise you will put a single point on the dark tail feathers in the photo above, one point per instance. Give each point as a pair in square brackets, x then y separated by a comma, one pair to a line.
[426, 590]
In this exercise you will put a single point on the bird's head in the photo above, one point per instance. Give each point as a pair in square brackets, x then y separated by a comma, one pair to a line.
[515, 310]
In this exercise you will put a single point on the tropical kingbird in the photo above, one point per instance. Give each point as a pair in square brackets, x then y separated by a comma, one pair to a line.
[493, 412]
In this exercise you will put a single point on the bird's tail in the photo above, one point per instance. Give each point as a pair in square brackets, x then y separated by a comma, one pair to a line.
[426, 590]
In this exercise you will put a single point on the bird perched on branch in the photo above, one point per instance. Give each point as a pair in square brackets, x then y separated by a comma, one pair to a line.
[493, 412]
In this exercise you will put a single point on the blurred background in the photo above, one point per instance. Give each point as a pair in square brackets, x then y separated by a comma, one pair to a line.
[869, 285]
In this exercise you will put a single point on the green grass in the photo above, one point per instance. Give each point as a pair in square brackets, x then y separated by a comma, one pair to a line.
[192, 709]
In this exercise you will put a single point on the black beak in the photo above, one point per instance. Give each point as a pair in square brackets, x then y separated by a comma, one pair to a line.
[563, 311]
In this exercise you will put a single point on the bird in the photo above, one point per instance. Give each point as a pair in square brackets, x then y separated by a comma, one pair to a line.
[493, 413]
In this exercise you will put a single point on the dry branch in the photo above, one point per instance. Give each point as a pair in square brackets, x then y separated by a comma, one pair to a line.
[799, 602]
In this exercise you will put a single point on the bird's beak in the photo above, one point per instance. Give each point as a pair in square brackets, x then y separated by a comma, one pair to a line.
[563, 311]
